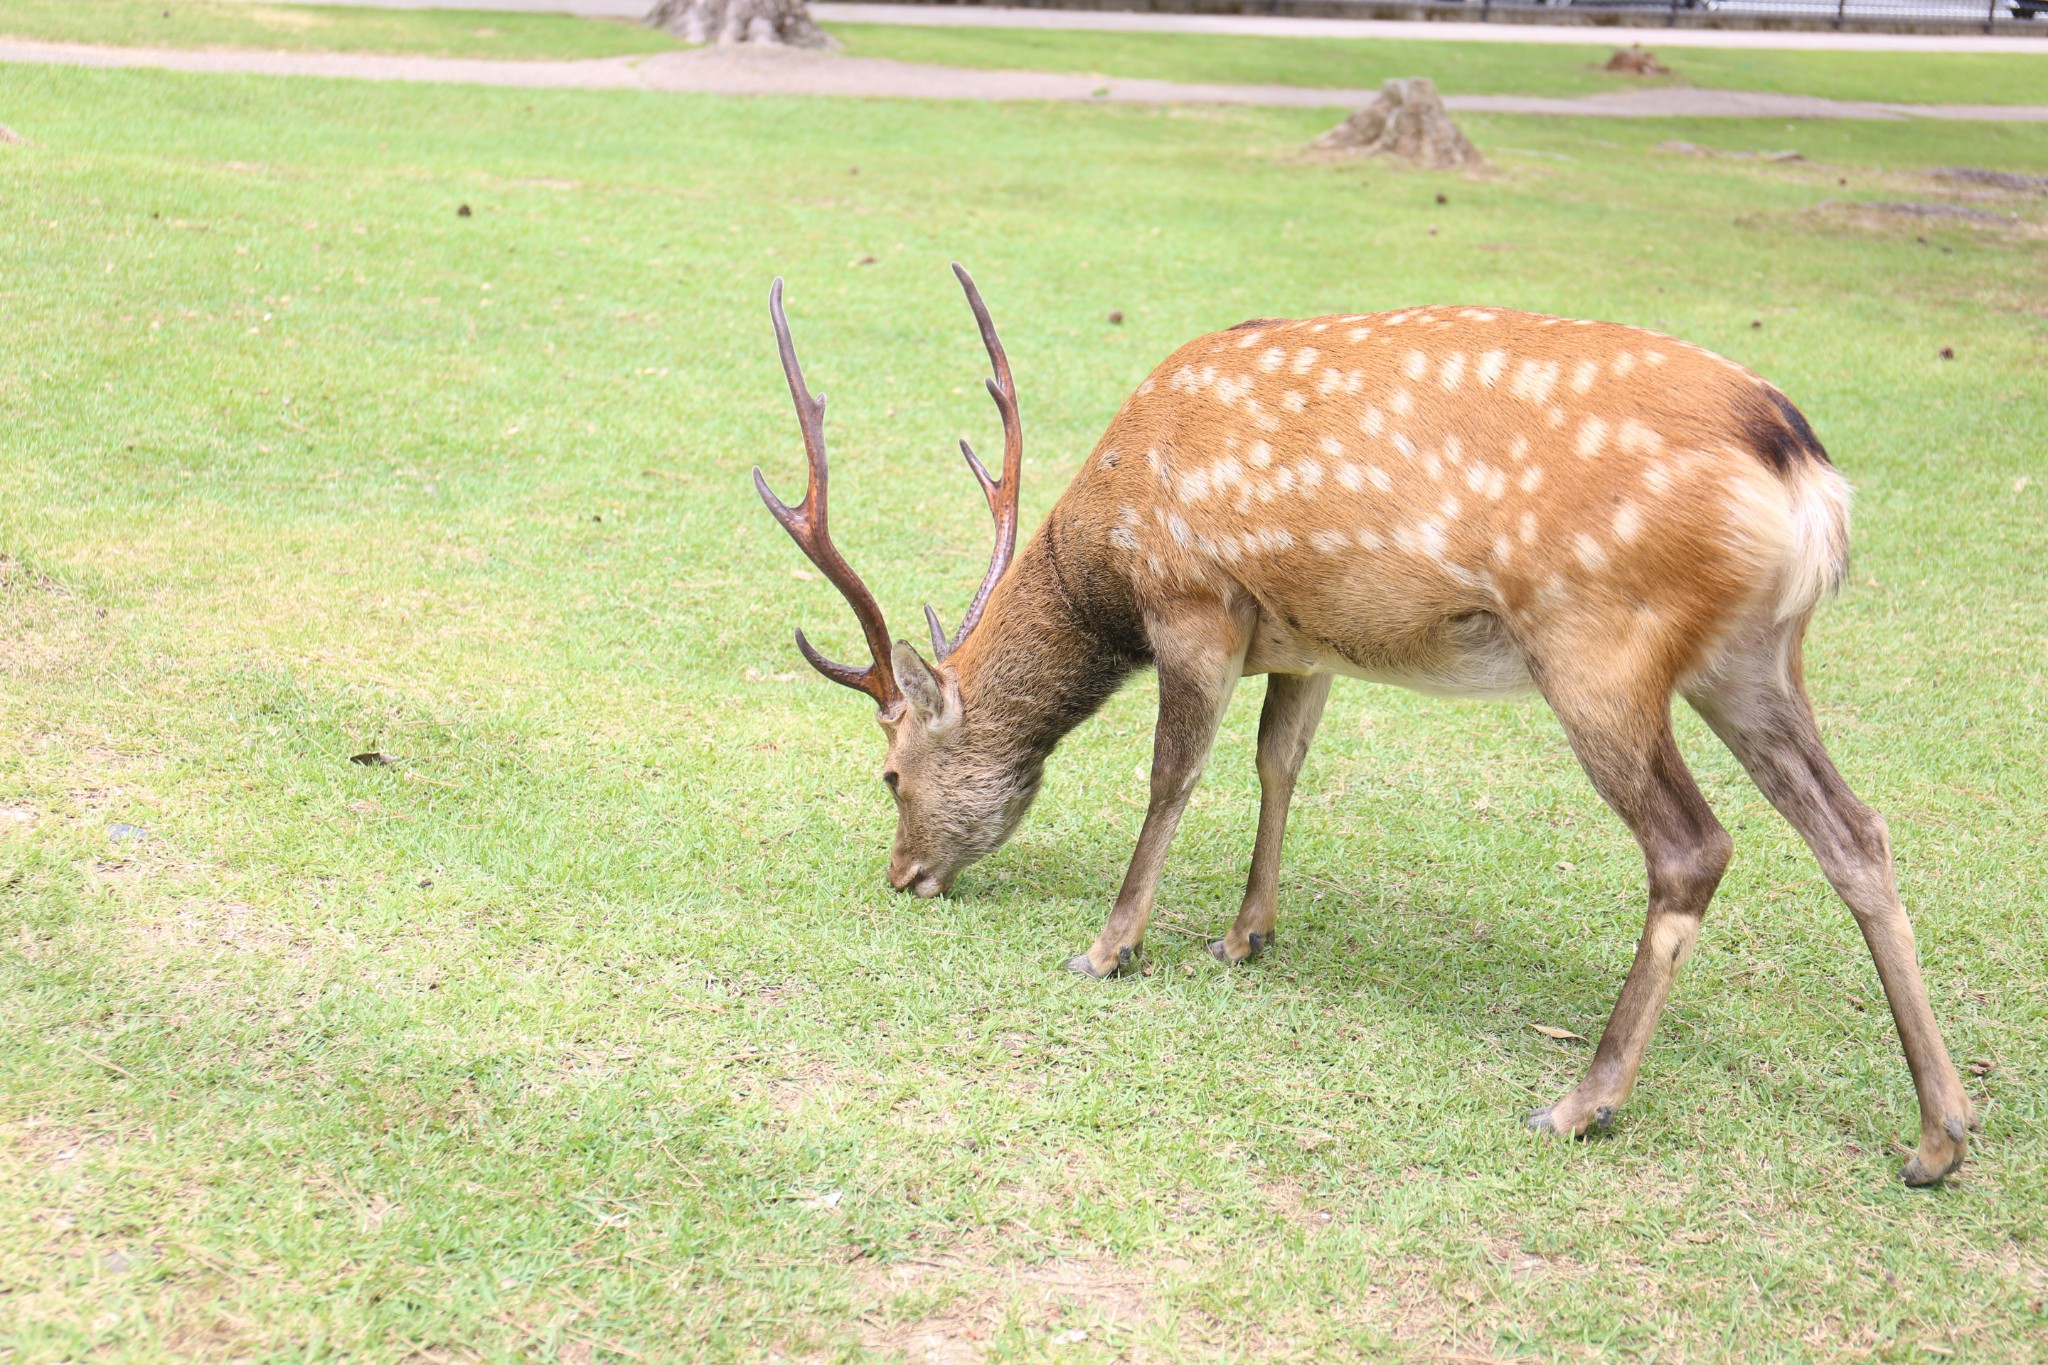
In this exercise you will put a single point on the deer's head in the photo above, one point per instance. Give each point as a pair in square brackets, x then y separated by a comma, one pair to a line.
[959, 788]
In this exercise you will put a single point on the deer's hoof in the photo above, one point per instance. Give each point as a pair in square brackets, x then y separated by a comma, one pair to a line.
[1940, 1156]
[1548, 1120]
[1082, 964]
[1254, 945]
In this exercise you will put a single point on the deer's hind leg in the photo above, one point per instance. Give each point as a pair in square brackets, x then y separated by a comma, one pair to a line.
[1287, 726]
[1756, 702]
[1623, 739]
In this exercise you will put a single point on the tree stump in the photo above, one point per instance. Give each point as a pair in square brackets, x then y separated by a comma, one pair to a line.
[773, 23]
[1637, 61]
[1407, 121]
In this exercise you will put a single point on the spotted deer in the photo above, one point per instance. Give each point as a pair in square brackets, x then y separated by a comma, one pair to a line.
[1470, 502]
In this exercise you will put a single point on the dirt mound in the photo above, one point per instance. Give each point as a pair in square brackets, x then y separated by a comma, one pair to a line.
[1406, 122]
[1636, 60]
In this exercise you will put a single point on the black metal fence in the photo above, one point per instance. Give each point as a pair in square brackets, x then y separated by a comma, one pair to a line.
[2017, 17]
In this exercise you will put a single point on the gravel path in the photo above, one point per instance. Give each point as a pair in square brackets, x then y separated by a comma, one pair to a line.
[1245, 25]
[770, 71]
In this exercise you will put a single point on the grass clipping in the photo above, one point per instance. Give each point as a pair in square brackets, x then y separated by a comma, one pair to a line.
[1407, 122]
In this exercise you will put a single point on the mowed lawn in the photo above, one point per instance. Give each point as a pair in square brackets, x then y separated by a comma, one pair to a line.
[587, 1029]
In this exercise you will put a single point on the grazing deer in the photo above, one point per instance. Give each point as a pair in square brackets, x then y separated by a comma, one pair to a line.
[1470, 502]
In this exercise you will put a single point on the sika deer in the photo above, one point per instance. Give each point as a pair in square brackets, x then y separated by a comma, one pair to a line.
[1465, 501]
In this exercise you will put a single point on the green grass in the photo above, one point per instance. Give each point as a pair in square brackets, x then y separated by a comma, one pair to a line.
[590, 1023]
[325, 28]
[1464, 68]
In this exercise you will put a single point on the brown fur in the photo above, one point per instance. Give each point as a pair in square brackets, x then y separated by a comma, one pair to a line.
[1461, 500]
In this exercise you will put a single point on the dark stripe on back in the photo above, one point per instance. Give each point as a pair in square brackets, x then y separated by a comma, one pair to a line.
[1777, 431]
[1257, 322]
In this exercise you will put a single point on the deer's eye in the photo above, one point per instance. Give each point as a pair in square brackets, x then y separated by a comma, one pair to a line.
[891, 777]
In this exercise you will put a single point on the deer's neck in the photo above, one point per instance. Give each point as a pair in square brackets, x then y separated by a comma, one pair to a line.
[1055, 643]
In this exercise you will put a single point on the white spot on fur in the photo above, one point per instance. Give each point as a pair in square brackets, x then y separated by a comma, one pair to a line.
[1583, 375]
[1330, 382]
[1177, 527]
[1373, 423]
[1332, 447]
[1328, 542]
[1518, 449]
[1475, 315]
[1534, 379]
[1452, 372]
[1403, 444]
[1450, 507]
[1623, 363]
[1121, 537]
[1108, 460]
[1379, 478]
[1491, 363]
[1194, 485]
[1636, 439]
[1147, 387]
[1628, 523]
[1359, 333]
[1309, 476]
[1370, 540]
[1348, 475]
[1271, 358]
[1658, 478]
[1556, 416]
[1654, 357]
[1402, 402]
[1304, 358]
[1249, 339]
[1454, 449]
[1592, 436]
[1502, 549]
[1260, 455]
[1293, 400]
[1589, 551]
[1127, 515]
[1417, 365]
[1531, 476]
[1528, 528]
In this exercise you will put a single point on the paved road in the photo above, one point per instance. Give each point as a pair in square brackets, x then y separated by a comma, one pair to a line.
[774, 71]
[989, 16]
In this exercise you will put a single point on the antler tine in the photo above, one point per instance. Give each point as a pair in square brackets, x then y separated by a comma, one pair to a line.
[1001, 493]
[806, 526]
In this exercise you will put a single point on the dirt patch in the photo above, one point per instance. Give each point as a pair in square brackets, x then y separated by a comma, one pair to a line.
[1064, 1302]
[1996, 180]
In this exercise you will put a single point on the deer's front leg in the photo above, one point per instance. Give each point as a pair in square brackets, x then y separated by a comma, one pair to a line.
[1200, 649]
[1287, 726]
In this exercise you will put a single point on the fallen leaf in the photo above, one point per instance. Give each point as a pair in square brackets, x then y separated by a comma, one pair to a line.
[1982, 1066]
[372, 759]
[1560, 1034]
[1564, 866]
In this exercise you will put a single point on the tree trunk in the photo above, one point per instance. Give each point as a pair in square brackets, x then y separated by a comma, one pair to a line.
[1407, 121]
[780, 23]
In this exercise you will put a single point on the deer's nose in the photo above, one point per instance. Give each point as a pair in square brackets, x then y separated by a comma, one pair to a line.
[903, 875]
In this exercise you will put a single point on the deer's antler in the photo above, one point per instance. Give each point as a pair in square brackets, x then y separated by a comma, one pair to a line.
[806, 526]
[1001, 493]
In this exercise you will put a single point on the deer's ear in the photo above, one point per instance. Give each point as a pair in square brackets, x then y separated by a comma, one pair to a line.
[935, 697]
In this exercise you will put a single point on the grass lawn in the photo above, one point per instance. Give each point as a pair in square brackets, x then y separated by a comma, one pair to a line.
[325, 28]
[588, 1030]
[1461, 67]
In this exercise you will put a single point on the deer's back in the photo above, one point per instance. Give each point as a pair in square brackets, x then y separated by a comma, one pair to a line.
[1379, 481]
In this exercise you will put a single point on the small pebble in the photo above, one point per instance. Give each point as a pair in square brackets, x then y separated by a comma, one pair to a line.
[1116, 317]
